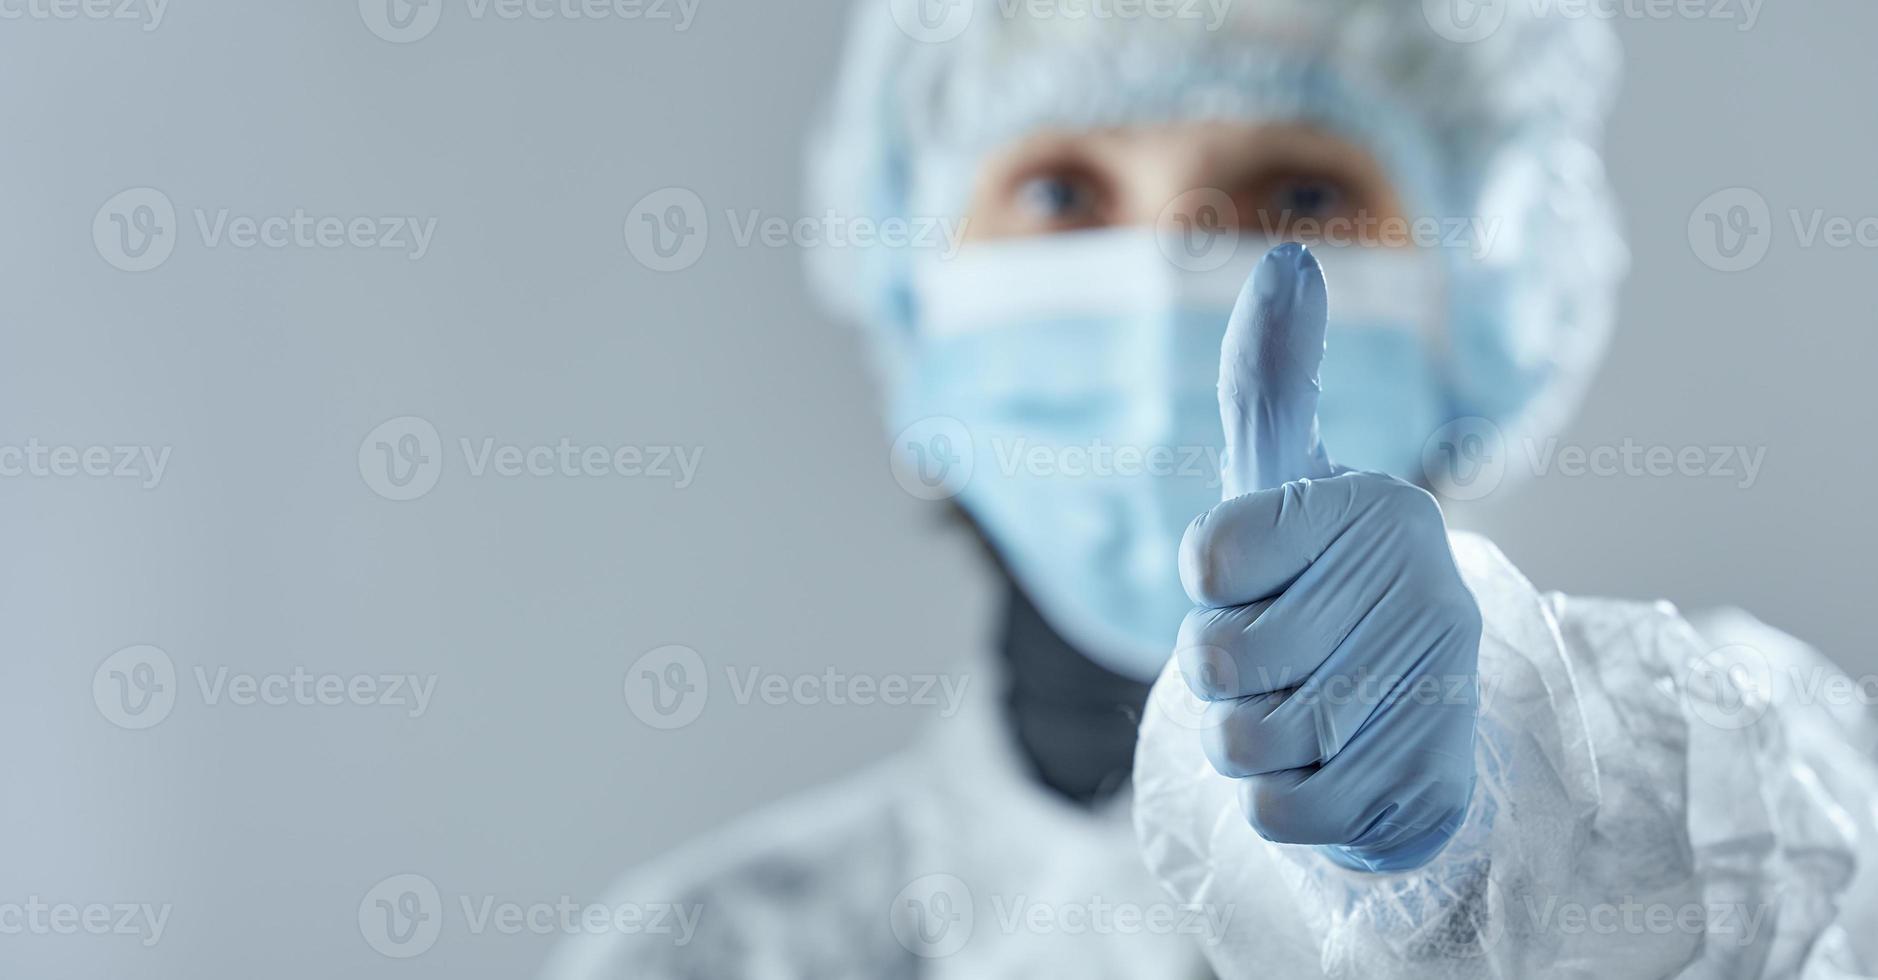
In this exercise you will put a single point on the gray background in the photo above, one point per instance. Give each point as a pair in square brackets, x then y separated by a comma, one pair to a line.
[528, 778]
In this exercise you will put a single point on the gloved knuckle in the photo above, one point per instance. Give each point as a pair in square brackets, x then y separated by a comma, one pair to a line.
[1294, 723]
[1346, 820]
[1407, 503]
[1462, 610]
[1445, 604]
[1441, 601]
[1198, 631]
[1232, 754]
[1293, 813]
[1209, 670]
[1455, 803]
[1269, 813]
[1202, 562]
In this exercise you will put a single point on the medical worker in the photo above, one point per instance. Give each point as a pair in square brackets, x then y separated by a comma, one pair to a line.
[1266, 273]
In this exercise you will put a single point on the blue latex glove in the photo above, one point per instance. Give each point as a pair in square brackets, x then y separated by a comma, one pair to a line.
[1334, 634]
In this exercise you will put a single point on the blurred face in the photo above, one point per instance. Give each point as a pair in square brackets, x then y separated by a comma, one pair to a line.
[1054, 380]
[1285, 180]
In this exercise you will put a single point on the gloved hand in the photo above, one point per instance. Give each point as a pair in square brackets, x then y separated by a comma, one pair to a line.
[1334, 637]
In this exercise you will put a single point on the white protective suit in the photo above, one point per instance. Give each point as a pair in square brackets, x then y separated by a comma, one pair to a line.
[1652, 802]
[931, 864]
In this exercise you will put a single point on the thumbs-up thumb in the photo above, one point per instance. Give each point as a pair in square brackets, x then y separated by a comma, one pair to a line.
[1268, 375]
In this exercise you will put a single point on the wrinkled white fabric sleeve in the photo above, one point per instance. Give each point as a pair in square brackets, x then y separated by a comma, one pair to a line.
[1636, 814]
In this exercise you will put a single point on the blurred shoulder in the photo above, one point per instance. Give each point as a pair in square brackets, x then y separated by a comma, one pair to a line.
[1796, 671]
[800, 888]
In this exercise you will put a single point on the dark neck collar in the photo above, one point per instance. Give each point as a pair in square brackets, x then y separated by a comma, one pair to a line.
[1074, 720]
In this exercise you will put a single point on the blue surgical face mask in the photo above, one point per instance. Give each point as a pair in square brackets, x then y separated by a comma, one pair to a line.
[1079, 371]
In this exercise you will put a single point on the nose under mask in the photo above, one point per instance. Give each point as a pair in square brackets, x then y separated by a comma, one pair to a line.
[1080, 371]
